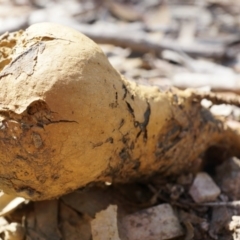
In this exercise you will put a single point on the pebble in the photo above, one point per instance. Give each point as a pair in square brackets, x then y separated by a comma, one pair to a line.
[153, 223]
[204, 189]
[104, 226]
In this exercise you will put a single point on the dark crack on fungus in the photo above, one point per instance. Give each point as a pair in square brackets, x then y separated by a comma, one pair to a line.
[110, 140]
[124, 155]
[130, 109]
[125, 91]
[143, 125]
[99, 144]
[121, 124]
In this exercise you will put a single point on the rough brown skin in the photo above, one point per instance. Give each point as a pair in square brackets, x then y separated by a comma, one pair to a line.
[69, 119]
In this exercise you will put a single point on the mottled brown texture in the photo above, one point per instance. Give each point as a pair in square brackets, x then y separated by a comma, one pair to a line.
[69, 119]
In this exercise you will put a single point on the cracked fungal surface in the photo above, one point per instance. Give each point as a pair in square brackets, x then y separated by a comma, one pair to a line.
[7, 43]
[69, 119]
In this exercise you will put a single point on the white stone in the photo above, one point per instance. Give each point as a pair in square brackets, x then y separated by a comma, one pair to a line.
[204, 189]
[104, 226]
[153, 223]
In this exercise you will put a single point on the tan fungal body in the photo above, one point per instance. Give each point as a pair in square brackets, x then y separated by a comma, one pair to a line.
[69, 119]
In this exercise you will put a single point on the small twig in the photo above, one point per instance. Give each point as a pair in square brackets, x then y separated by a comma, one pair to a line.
[141, 42]
[225, 204]
[217, 99]
[189, 204]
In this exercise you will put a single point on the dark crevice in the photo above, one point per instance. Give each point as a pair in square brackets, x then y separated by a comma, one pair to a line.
[124, 154]
[52, 38]
[143, 125]
[130, 109]
[138, 134]
[97, 144]
[121, 124]
[110, 140]
[61, 121]
[125, 91]
[46, 39]
[146, 116]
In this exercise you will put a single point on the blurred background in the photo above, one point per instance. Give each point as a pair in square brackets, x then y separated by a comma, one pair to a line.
[184, 43]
